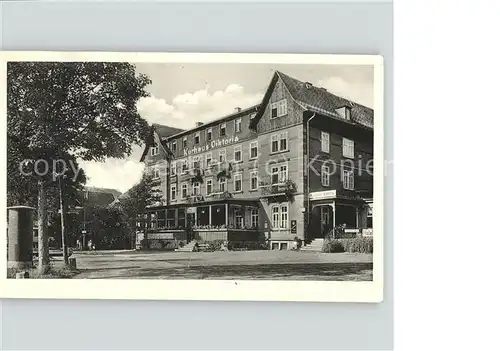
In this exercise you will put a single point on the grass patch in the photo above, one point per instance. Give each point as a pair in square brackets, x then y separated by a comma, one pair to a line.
[53, 273]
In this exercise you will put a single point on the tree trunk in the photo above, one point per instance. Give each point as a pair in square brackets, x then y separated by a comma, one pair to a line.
[43, 235]
[63, 215]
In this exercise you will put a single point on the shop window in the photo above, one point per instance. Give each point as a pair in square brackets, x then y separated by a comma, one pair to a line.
[275, 246]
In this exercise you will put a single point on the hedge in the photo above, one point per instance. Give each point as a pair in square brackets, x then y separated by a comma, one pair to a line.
[361, 245]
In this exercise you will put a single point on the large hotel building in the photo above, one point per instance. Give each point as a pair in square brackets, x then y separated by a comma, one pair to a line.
[296, 165]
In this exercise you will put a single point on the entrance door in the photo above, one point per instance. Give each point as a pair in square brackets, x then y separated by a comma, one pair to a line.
[191, 221]
[326, 220]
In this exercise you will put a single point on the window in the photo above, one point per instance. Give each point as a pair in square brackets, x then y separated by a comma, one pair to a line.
[209, 186]
[274, 143]
[222, 185]
[161, 219]
[173, 168]
[209, 134]
[238, 216]
[237, 153]
[184, 166]
[253, 149]
[223, 129]
[325, 142]
[184, 193]
[182, 217]
[283, 141]
[184, 143]
[237, 182]
[254, 180]
[276, 217]
[196, 188]
[369, 217]
[170, 218]
[283, 175]
[252, 116]
[347, 148]
[156, 173]
[222, 156]
[254, 217]
[208, 159]
[173, 191]
[174, 146]
[325, 175]
[197, 138]
[154, 149]
[348, 179]
[344, 112]
[237, 125]
[278, 108]
[284, 216]
[279, 142]
[275, 178]
[196, 162]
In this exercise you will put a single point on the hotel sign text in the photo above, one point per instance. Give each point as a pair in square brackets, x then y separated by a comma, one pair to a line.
[211, 145]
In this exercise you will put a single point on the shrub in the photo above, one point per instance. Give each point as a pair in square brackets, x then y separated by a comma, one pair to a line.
[361, 245]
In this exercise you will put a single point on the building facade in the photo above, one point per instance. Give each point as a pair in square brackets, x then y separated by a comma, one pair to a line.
[296, 165]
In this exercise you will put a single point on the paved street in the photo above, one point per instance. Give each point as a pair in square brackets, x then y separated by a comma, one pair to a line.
[288, 265]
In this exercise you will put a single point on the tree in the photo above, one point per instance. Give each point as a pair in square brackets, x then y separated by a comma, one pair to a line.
[83, 109]
[137, 199]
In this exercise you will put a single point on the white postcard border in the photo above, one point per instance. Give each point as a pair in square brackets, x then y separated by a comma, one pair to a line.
[226, 290]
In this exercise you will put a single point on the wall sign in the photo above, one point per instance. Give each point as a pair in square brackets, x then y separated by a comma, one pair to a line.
[320, 195]
[211, 145]
[294, 226]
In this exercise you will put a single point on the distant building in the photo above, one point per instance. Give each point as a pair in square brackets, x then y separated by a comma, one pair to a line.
[297, 164]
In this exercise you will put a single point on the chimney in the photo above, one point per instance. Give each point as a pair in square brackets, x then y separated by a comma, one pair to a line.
[199, 124]
[237, 109]
[308, 85]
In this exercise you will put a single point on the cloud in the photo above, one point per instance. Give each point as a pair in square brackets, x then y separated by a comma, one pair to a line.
[120, 174]
[188, 108]
[357, 91]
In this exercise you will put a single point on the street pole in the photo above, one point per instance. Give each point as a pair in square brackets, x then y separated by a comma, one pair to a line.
[63, 232]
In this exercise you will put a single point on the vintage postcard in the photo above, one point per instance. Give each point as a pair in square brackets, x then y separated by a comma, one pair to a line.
[192, 176]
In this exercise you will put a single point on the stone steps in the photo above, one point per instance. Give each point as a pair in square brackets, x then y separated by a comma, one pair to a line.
[315, 246]
[187, 248]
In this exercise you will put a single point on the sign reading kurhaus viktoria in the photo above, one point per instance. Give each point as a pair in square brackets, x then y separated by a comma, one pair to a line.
[211, 145]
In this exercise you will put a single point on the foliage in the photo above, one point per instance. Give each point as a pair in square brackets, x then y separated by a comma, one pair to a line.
[197, 177]
[82, 110]
[360, 245]
[135, 203]
[288, 189]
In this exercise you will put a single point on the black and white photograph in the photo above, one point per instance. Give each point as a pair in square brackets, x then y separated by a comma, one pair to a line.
[241, 169]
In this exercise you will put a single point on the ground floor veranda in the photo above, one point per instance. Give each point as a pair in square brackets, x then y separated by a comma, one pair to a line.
[239, 220]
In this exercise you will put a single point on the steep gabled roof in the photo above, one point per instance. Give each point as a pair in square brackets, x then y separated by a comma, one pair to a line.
[319, 100]
[163, 132]
[94, 189]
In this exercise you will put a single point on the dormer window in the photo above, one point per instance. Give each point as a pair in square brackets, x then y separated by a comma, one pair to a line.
[197, 138]
[184, 143]
[223, 129]
[174, 146]
[344, 112]
[209, 134]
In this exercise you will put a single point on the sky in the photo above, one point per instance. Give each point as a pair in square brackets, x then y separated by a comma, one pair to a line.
[183, 94]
